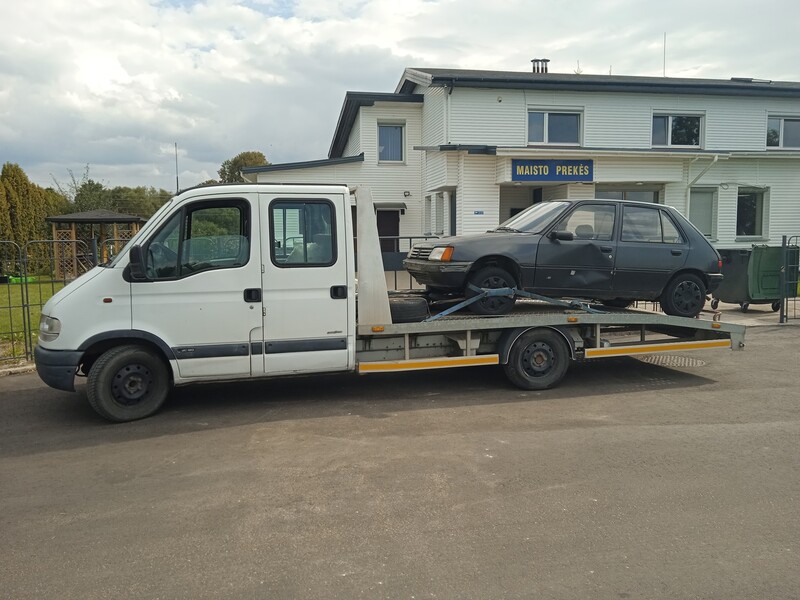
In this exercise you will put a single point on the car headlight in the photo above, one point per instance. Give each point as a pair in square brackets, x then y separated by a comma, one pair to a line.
[49, 328]
[441, 253]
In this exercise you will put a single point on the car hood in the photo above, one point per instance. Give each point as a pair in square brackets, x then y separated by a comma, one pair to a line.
[472, 247]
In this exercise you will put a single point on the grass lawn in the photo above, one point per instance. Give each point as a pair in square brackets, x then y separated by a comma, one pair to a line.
[13, 313]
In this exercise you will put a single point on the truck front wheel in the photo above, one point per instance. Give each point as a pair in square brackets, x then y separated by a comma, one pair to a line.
[538, 360]
[127, 383]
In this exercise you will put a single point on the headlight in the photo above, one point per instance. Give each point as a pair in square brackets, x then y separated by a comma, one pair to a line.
[49, 328]
[441, 253]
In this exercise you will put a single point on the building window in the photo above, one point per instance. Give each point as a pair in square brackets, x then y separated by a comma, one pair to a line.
[676, 130]
[783, 132]
[390, 143]
[702, 205]
[750, 213]
[554, 128]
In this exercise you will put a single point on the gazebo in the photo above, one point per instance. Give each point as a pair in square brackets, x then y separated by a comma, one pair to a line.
[109, 228]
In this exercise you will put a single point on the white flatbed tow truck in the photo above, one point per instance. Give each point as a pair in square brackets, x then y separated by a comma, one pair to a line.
[254, 281]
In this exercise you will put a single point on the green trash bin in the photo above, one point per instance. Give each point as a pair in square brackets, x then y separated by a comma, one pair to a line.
[764, 272]
[733, 289]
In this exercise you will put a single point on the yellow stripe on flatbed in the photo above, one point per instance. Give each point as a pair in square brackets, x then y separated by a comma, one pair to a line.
[657, 347]
[427, 363]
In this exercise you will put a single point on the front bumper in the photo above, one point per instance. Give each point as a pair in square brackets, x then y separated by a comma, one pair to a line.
[57, 368]
[443, 275]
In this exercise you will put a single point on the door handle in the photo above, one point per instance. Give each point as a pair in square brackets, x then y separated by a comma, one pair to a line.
[677, 252]
[606, 248]
[252, 295]
[338, 292]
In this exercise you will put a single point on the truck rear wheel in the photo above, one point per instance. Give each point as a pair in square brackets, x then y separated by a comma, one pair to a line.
[127, 383]
[538, 360]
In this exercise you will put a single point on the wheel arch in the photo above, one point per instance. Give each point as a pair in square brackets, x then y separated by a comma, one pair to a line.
[512, 335]
[685, 271]
[497, 260]
[96, 345]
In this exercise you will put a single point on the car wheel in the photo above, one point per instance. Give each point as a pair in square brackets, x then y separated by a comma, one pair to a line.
[618, 303]
[538, 360]
[684, 296]
[409, 308]
[127, 383]
[491, 278]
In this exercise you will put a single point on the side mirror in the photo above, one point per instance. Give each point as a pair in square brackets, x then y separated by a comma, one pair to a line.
[136, 264]
[562, 236]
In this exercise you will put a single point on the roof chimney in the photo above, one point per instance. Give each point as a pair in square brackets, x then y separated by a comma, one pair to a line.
[540, 65]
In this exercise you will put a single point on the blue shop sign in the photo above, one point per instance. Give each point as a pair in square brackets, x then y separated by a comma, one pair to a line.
[552, 170]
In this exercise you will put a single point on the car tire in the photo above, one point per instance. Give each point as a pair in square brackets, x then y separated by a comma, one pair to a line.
[411, 308]
[684, 296]
[538, 360]
[128, 383]
[491, 278]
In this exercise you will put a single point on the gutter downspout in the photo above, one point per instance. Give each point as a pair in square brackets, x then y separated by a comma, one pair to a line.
[696, 179]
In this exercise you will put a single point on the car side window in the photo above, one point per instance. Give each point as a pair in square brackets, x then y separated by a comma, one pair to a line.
[303, 233]
[650, 225]
[201, 237]
[590, 222]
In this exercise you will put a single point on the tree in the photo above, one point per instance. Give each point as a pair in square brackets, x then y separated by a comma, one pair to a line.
[26, 204]
[229, 172]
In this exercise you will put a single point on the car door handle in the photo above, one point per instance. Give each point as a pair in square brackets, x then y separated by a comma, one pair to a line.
[338, 292]
[677, 252]
[606, 248]
[252, 295]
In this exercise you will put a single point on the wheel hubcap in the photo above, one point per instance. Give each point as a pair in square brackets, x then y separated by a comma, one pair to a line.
[538, 359]
[131, 384]
[687, 296]
[495, 303]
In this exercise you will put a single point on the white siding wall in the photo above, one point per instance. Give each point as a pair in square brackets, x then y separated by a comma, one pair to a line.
[433, 116]
[514, 197]
[627, 168]
[353, 146]
[476, 117]
[478, 195]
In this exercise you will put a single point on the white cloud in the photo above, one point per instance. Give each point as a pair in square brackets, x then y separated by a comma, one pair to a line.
[114, 83]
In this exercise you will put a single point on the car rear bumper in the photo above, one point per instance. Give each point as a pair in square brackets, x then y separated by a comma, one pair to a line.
[444, 275]
[714, 279]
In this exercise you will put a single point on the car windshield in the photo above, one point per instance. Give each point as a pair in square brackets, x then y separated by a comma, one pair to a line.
[535, 218]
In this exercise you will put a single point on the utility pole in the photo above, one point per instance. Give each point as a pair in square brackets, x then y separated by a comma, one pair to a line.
[177, 185]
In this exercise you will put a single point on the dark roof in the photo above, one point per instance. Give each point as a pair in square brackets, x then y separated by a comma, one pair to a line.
[325, 162]
[353, 101]
[96, 216]
[736, 86]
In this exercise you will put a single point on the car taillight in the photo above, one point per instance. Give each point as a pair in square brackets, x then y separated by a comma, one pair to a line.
[719, 264]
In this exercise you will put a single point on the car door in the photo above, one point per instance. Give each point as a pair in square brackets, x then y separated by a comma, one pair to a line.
[650, 250]
[309, 303]
[582, 265]
[199, 270]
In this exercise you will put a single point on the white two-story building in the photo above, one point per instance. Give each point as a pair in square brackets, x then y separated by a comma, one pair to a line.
[459, 151]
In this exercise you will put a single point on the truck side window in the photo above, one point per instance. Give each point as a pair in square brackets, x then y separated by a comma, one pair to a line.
[303, 233]
[201, 237]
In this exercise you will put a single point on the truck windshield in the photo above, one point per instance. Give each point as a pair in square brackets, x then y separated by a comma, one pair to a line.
[534, 219]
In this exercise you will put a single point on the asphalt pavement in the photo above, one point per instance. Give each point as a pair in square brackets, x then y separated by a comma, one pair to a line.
[664, 477]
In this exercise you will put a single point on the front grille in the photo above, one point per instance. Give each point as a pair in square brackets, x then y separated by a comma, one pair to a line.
[420, 253]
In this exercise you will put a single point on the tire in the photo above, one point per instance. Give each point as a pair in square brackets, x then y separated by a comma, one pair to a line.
[538, 360]
[745, 306]
[684, 296]
[776, 306]
[715, 304]
[408, 309]
[491, 278]
[128, 383]
[617, 303]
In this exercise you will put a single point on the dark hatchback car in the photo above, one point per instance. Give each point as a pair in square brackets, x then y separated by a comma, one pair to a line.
[612, 251]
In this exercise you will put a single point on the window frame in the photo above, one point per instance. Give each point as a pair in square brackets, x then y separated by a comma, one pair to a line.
[714, 208]
[661, 216]
[184, 216]
[286, 264]
[762, 213]
[392, 161]
[781, 138]
[546, 125]
[670, 116]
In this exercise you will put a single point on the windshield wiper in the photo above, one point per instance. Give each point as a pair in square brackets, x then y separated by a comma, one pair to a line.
[511, 229]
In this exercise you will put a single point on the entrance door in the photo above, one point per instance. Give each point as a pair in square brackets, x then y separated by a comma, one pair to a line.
[585, 264]
[309, 303]
[388, 229]
[202, 297]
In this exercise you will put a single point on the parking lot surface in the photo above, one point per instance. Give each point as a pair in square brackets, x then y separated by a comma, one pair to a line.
[668, 477]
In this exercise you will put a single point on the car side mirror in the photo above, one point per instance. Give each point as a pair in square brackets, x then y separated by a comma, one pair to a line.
[136, 264]
[562, 236]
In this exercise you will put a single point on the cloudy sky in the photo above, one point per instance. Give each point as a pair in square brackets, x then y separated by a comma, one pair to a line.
[114, 84]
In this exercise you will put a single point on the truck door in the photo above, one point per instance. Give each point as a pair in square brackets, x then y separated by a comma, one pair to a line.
[202, 295]
[308, 296]
[584, 264]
